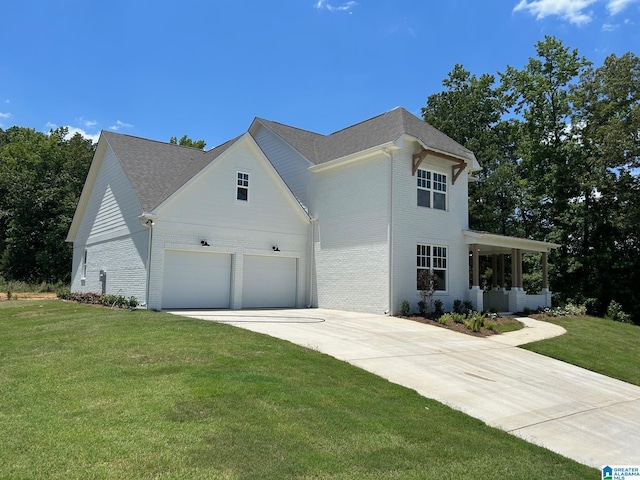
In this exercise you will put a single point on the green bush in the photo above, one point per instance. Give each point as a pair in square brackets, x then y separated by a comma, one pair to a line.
[475, 321]
[438, 308]
[444, 319]
[457, 306]
[99, 299]
[405, 307]
[422, 308]
[615, 313]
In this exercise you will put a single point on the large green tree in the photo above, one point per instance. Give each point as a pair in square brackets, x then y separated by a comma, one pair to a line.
[41, 177]
[471, 112]
[188, 142]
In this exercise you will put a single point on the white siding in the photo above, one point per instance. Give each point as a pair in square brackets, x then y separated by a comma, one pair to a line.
[112, 235]
[413, 225]
[122, 258]
[291, 166]
[351, 240]
[207, 209]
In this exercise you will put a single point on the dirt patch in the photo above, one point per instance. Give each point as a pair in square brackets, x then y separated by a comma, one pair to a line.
[500, 321]
[28, 296]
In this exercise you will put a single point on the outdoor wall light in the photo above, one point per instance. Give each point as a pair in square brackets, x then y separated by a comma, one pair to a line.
[275, 248]
[204, 243]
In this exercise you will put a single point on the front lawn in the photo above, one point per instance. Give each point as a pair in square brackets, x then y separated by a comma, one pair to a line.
[600, 345]
[90, 392]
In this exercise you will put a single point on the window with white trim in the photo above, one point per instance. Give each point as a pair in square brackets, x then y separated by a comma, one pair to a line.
[84, 264]
[432, 189]
[242, 187]
[432, 257]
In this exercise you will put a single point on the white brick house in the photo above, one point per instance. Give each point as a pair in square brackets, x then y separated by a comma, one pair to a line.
[283, 217]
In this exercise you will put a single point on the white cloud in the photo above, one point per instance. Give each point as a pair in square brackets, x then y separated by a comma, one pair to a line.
[90, 123]
[5, 115]
[51, 125]
[616, 6]
[91, 136]
[345, 7]
[571, 10]
[609, 27]
[120, 125]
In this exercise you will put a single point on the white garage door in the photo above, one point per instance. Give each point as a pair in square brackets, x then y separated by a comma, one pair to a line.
[269, 282]
[196, 280]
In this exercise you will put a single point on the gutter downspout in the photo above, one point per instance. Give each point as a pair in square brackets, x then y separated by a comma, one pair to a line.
[389, 153]
[147, 221]
[311, 260]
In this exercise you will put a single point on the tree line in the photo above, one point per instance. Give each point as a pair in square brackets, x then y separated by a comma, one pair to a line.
[559, 140]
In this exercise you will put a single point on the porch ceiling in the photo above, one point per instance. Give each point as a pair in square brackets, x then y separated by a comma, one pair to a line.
[490, 244]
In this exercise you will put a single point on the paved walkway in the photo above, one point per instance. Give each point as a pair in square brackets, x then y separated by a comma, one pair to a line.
[580, 414]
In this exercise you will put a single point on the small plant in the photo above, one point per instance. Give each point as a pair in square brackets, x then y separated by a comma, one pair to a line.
[422, 308]
[467, 306]
[475, 321]
[526, 311]
[490, 325]
[615, 313]
[457, 306]
[9, 294]
[427, 285]
[438, 308]
[405, 307]
[458, 317]
[444, 319]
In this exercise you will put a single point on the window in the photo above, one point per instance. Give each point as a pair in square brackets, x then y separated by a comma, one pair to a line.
[432, 257]
[242, 187]
[84, 264]
[432, 189]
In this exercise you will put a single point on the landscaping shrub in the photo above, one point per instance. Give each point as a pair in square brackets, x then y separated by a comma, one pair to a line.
[422, 307]
[99, 299]
[457, 306]
[438, 308]
[475, 321]
[405, 307]
[615, 313]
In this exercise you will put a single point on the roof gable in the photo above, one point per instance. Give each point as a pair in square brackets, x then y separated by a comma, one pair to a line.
[155, 169]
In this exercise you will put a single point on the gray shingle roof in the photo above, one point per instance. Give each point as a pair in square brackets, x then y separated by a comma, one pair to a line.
[155, 169]
[378, 130]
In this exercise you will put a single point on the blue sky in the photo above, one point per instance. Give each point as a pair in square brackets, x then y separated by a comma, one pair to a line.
[207, 68]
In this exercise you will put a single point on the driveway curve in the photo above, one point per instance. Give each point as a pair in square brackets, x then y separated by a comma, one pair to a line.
[580, 414]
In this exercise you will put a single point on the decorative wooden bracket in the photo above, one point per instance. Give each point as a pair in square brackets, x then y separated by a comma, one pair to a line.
[456, 169]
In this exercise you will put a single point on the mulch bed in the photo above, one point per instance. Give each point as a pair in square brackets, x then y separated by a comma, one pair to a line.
[459, 327]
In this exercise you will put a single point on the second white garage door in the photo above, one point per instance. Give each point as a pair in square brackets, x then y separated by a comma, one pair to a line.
[196, 280]
[269, 282]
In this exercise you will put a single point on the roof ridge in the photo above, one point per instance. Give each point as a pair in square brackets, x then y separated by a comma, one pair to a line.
[290, 126]
[361, 122]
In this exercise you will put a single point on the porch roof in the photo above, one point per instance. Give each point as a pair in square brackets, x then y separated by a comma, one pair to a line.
[491, 243]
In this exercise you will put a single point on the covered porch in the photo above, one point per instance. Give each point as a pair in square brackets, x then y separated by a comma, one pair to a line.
[506, 251]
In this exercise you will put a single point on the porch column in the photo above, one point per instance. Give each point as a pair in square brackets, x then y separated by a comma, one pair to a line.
[515, 269]
[520, 284]
[476, 265]
[503, 284]
[476, 294]
[545, 272]
[494, 271]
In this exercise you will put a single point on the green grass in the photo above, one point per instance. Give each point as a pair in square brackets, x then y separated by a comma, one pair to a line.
[89, 392]
[600, 345]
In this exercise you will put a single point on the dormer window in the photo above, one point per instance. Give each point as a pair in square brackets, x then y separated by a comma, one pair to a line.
[242, 187]
[432, 189]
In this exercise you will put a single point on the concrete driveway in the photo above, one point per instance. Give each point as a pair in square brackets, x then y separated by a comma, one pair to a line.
[585, 416]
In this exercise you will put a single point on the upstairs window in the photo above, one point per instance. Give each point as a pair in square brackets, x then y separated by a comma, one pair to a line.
[432, 189]
[242, 187]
